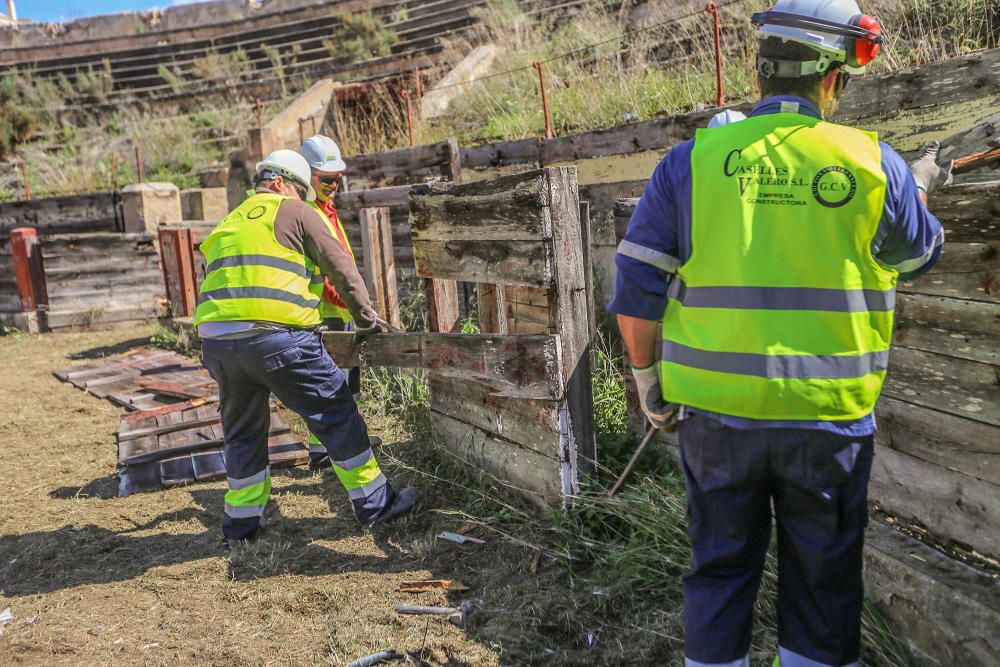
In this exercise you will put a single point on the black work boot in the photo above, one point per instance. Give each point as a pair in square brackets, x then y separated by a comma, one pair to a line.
[402, 503]
[252, 537]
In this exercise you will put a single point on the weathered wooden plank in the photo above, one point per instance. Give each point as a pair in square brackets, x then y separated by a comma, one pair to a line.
[569, 312]
[534, 475]
[505, 208]
[405, 164]
[485, 261]
[969, 212]
[971, 345]
[941, 608]
[524, 366]
[533, 424]
[956, 386]
[932, 84]
[396, 195]
[981, 286]
[951, 314]
[380, 263]
[963, 445]
[85, 318]
[443, 313]
[492, 308]
[951, 505]
[501, 154]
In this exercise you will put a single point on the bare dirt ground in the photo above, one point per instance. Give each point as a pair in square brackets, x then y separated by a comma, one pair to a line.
[93, 579]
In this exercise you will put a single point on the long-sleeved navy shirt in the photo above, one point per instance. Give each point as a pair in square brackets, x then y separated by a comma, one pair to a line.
[658, 240]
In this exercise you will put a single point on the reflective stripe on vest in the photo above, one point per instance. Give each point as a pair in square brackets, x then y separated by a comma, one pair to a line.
[250, 276]
[329, 310]
[781, 312]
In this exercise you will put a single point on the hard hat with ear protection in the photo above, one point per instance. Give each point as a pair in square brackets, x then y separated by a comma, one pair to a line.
[836, 29]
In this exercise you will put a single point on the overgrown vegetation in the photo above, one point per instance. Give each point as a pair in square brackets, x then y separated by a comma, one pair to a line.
[360, 36]
[17, 122]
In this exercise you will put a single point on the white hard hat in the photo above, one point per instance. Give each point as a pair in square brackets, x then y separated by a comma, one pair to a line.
[289, 164]
[836, 29]
[726, 117]
[323, 154]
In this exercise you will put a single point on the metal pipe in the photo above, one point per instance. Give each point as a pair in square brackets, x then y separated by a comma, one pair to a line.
[24, 176]
[114, 173]
[409, 115]
[138, 162]
[545, 101]
[720, 96]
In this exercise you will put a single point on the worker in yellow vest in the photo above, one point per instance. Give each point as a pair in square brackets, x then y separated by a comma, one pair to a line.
[259, 322]
[327, 167]
[770, 248]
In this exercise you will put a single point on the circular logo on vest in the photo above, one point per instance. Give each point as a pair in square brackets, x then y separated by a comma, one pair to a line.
[256, 212]
[834, 186]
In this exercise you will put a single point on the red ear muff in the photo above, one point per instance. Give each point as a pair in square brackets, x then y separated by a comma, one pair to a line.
[860, 52]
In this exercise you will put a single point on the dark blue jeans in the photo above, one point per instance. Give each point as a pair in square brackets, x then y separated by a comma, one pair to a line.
[296, 368]
[818, 485]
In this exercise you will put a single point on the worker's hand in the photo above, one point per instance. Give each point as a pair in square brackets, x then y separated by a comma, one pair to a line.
[659, 412]
[373, 328]
[928, 174]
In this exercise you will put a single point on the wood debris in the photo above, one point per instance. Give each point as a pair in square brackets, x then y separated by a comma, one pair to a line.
[431, 585]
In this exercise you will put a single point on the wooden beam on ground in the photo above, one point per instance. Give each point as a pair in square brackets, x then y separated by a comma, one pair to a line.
[380, 263]
[524, 366]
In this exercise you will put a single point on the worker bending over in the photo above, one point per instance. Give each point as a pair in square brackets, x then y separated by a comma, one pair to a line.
[258, 319]
[327, 168]
[770, 248]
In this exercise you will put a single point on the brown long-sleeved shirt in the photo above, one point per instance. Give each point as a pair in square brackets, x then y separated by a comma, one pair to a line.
[299, 227]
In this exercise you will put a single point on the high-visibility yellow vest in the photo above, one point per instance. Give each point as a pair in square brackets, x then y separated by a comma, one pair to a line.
[329, 310]
[781, 312]
[250, 276]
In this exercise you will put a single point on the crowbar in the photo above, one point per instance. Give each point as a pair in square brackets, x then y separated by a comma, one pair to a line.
[653, 430]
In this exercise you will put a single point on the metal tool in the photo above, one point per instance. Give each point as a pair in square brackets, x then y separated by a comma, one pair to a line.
[387, 326]
[976, 160]
[653, 430]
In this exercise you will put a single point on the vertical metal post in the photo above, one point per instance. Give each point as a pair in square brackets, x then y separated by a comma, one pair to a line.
[301, 136]
[114, 174]
[409, 115]
[24, 177]
[720, 96]
[312, 119]
[138, 162]
[260, 115]
[545, 101]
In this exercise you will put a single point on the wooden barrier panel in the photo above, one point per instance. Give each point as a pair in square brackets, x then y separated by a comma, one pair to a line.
[101, 278]
[506, 234]
[28, 271]
[379, 263]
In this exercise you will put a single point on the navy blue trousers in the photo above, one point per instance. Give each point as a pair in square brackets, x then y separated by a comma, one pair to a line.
[296, 368]
[817, 484]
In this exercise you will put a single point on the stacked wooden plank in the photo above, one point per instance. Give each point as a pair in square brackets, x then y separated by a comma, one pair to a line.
[143, 378]
[101, 278]
[10, 302]
[182, 443]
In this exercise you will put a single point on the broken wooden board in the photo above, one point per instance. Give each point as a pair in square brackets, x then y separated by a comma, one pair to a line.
[142, 378]
[514, 365]
[284, 451]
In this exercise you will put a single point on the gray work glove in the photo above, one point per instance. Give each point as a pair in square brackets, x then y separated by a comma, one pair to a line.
[659, 412]
[373, 328]
[928, 174]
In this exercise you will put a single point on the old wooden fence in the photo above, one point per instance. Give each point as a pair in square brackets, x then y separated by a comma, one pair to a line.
[517, 405]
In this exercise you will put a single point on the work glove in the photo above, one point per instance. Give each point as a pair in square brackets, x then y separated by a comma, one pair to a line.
[928, 174]
[373, 328]
[660, 413]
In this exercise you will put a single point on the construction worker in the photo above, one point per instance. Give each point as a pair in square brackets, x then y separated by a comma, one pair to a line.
[258, 319]
[770, 248]
[327, 167]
